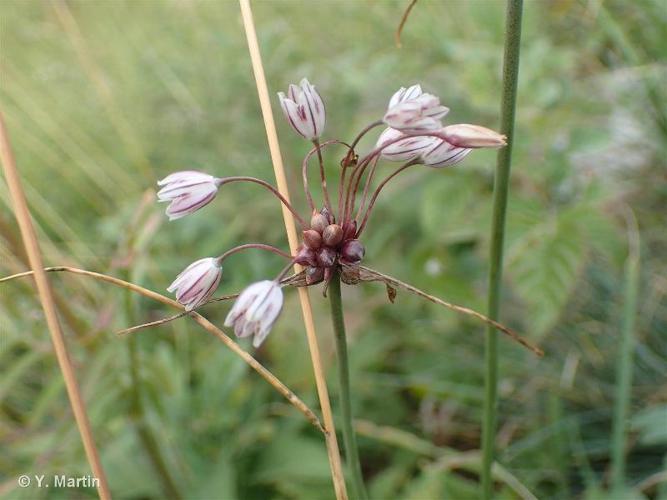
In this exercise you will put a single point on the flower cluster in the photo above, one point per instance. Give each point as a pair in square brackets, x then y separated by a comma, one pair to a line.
[415, 135]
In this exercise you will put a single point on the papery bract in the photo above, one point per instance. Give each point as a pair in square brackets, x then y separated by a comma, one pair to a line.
[255, 311]
[304, 109]
[197, 282]
[188, 191]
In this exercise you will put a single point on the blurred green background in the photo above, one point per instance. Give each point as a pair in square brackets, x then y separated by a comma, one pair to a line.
[102, 98]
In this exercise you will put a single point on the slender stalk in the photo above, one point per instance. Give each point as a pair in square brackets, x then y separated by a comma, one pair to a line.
[347, 161]
[349, 437]
[323, 177]
[276, 192]
[367, 185]
[358, 171]
[399, 30]
[368, 274]
[33, 251]
[304, 171]
[260, 246]
[377, 192]
[306, 309]
[500, 194]
[624, 366]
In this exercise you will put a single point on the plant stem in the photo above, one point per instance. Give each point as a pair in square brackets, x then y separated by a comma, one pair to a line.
[500, 193]
[624, 366]
[349, 437]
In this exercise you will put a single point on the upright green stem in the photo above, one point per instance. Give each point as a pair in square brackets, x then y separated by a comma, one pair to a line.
[624, 367]
[351, 451]
[500, 192]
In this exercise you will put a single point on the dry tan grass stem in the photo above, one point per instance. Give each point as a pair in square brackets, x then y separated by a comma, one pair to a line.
[276, 158]
[31, 244]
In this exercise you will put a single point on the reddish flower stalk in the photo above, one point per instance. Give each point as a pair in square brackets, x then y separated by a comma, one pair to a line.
[229, 180]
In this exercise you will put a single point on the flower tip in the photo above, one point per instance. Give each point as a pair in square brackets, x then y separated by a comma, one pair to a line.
[464, 135]
[257, 341]
[255, 311]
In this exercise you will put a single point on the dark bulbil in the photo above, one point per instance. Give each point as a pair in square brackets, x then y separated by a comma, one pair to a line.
[352, 252]
[332, 235]
[325, 244]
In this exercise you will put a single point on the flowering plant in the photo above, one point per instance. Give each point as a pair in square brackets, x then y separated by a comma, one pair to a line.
[331, 248]
[331, 236]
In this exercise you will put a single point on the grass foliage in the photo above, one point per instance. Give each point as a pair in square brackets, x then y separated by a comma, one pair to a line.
[104, 98]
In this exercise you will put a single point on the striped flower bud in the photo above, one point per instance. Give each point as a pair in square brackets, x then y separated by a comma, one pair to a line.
[443, 154]
[304, 109]
[412, 111]
[473, 136]
[256, 310]
[197, 282]
[402, 150]
[188, 191]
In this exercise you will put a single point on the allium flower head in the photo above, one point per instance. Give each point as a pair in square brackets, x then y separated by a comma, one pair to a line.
[402, 150]
[188, 191]
[255, 311]
[304, 109]
[197, 282]
[412, 111]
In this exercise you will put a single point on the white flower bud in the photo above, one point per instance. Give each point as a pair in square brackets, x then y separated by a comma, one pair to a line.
[402, 150]
[255, 311]
[412, 111]
[188, 191]
[304, 109]
[473, 136]
[197, 282]
[443, 154]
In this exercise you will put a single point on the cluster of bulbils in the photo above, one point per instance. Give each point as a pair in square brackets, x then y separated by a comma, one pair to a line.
[415, 136]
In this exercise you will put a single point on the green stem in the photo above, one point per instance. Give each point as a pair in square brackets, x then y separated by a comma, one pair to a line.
[624, 370]
[138, 413]
[500, 193]
[350, 439]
